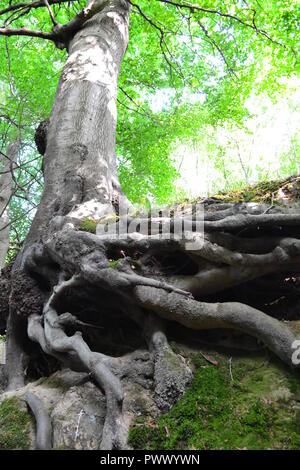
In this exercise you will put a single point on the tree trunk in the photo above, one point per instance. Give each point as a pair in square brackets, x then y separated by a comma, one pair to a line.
[80, 161]
[80, 168]
[6, 188]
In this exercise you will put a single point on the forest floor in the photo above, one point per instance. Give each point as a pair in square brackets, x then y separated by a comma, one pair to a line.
[237, 400]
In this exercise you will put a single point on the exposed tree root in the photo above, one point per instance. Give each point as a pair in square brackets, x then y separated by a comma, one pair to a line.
[200, 315]
[53, 339]
[150, 280]
[43, 422]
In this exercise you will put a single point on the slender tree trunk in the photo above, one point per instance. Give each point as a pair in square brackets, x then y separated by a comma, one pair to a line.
[6, 187]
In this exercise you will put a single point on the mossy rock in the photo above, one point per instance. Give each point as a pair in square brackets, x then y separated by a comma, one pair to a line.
[223, 412]
[14, 425]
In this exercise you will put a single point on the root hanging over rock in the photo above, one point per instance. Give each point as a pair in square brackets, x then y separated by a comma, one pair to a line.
[43, 423]
[99, 301]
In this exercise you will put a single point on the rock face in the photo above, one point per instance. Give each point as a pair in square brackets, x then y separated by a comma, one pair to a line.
[237, 400]
[77, 407]
[78, 418]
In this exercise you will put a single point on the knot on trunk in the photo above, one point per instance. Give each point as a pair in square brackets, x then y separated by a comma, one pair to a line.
[40, 136]
[5, 285]
[26, 298]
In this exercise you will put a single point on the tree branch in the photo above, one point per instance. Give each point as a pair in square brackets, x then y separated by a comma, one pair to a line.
[26, 5]
[193, 8]
[60, 34]
[27, 32]
[50, 12]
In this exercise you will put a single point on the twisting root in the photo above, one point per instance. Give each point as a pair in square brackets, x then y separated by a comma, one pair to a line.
[53, 340]
[43, 422]
[146, 278]
[200, 315]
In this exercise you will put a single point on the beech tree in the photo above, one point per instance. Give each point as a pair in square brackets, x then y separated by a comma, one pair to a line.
[66, 282]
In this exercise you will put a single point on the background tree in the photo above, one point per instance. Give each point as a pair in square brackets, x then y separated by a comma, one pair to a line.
[64, 280]
[6, 189]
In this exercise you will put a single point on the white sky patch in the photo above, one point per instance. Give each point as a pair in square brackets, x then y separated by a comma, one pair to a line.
[162, 99]
[261, 152]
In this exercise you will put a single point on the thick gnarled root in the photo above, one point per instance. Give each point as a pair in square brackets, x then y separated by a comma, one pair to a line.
[150, 280]
[276, 335]
[53, 340]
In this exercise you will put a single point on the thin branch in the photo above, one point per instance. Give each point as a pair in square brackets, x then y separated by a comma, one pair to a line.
[25, 5]
[17, 218]
[9, 69]
[27, 32]
[144, 111]
[194, 8]
[50, 12]
[214, 44]
[162, 41]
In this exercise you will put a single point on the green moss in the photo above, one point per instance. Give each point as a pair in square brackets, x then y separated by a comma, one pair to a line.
[175, 347]
[114, 263]
[108, 219]
[294, 384]
[14, 425]
[88, 225]
[218, 413]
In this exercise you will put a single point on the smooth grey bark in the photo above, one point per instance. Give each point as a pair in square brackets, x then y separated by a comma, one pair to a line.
[43, 422]
[80, 162]
[6, 188]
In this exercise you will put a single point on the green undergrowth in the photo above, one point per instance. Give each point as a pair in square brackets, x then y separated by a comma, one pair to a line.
[254, 403]
[14, 425]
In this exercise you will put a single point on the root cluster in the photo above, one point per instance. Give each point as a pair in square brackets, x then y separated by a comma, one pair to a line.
[245, 275]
